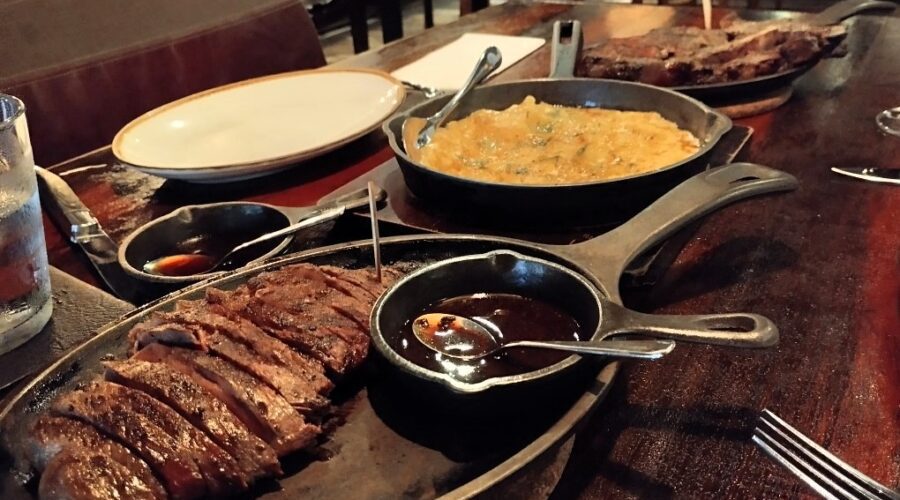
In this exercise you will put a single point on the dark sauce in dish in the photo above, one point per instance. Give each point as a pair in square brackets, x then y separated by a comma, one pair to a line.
[199, 253]
[515, 318]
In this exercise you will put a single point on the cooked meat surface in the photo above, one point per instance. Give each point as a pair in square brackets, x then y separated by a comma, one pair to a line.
[213, 393]
[170, 461]
[273, 350]
[51, 436]
[256, 404]
[80, 473]
[202, 409]
[740, 50]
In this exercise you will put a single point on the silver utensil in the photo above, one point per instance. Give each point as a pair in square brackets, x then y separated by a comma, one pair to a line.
[889, 121]
[373, 216]
[76, 222]
[872, 174]
[227, 259]
[428, 92]
[417, 132]
[464, 338]
[828, 475]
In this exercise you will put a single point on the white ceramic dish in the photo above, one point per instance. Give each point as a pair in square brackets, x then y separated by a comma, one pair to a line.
[257, 127]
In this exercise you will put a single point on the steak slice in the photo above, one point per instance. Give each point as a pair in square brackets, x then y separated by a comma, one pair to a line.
[203, 410]
[158, 328]
[79, 473]
[270, 348]
[315, 339]
[170, 461]
[257, 405]
[52, 436]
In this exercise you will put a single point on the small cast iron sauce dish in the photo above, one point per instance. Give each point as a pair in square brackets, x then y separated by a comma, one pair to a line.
[581, 280]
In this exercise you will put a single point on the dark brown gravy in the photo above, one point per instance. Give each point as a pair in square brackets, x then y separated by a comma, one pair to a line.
[516, 317]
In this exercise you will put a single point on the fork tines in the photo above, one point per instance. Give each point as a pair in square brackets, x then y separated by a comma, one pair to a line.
[819, 469]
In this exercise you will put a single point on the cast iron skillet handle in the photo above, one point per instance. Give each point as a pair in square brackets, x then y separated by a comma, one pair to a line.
[565, 48]
[734, 330]
[842, 10]
[607, 256]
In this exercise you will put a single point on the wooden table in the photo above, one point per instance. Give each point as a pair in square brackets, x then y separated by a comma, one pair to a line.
[822, 262]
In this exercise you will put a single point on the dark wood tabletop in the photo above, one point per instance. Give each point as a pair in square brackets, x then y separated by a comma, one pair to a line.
[822, 262]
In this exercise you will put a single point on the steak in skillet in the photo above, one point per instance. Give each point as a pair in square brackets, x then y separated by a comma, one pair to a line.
[168, 459]
[680, 55]
[186, 328]
[258, 406]
[121, 474]
[86, 474]
[199, 407]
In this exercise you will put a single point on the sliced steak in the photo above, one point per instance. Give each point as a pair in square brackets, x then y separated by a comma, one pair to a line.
[272, 349]
[157, 328]
[170, 461]
[50, 436]
[266, 414]
[80, 473]
[202, 409]
[314, 338]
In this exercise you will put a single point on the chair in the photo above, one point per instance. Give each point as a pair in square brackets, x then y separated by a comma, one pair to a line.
[85, 68]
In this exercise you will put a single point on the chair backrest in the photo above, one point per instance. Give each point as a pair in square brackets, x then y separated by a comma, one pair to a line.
[85, 68]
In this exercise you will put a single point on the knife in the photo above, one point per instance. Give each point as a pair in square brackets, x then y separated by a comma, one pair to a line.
[882, 175]
[76, 222]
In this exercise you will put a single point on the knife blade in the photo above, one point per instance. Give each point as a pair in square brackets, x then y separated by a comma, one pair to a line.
[872, 174]
[77, 223]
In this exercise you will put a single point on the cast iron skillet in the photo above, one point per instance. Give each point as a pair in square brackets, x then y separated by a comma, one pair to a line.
[739, 90]
[602, 261]
[599, 262]
[595, 201]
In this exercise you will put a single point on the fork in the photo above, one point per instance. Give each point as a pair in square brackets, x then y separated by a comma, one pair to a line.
[828, 475]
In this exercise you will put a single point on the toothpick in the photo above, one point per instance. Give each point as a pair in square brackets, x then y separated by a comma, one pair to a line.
[707, 14]
[376, 242]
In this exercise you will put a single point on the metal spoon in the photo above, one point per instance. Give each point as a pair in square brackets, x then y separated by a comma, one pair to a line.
[464, 338]
[202, 263]
[417, 132]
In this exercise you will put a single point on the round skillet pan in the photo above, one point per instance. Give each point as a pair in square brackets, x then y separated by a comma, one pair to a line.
[603, 260]
[604, 200]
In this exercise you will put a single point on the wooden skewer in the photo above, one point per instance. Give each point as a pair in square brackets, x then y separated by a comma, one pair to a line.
[376, 242]
[707, 14]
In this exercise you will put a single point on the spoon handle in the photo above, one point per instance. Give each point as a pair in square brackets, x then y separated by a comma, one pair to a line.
[639, 349]
[316, 217]
[487, 63]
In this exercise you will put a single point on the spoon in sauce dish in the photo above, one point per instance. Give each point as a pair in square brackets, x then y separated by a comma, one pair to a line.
[188, 264]
[464, 338]
[417, 132]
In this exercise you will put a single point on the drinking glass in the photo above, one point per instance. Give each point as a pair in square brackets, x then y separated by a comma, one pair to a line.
[889, 120]
[25, 304]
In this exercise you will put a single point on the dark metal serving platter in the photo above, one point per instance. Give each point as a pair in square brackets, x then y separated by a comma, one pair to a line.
[387, 443]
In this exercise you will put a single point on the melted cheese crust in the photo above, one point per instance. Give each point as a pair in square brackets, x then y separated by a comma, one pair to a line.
[539, 143]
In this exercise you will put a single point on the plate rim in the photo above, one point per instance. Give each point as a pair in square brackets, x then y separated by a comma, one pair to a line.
[118, 139]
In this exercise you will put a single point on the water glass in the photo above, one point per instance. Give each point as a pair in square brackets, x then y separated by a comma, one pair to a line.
[25, 303]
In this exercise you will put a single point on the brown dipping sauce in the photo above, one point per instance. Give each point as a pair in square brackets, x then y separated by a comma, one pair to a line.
[199, 253]
[516, 317]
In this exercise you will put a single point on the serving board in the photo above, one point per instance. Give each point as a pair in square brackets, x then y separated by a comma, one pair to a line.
[389, 444]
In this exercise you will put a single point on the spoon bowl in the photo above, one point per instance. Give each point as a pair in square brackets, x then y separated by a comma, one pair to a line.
[467, 339]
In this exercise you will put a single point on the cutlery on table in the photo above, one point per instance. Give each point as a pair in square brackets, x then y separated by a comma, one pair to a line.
[828, 475]
[77, 223]
[871, 174]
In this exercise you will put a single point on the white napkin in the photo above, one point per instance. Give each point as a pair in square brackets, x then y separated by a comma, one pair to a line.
[448, 67]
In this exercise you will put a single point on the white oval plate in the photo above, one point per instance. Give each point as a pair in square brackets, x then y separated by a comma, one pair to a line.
[259, 126]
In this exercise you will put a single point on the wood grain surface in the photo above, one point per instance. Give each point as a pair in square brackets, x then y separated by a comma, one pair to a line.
[822, 262]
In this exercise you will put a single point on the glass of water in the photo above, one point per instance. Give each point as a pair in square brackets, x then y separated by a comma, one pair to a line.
[25, 304]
